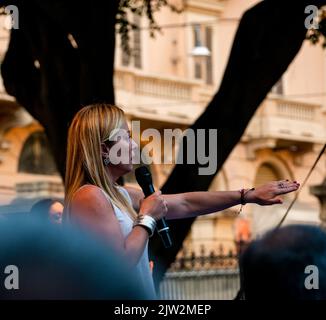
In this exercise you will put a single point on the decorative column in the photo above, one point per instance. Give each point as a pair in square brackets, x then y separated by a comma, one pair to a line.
[320, 192]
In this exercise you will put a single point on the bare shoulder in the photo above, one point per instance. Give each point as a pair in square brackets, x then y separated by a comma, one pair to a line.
[88, 192]
[90, 198]
[91, 208]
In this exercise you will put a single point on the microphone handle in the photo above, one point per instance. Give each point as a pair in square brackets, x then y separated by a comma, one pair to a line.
[148, 190]
[163, 230]
[161, 225]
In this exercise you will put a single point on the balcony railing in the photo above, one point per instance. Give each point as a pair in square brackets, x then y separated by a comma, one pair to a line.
[163, 88]
[39, 188]
[288, 121]
[154, 85]
[166, 98]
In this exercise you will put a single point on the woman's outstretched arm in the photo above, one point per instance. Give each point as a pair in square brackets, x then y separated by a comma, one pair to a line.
[192, 204]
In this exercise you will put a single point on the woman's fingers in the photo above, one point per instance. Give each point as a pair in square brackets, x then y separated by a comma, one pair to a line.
[277, 200]
[283, 187]
[269, 194]
[284, 183]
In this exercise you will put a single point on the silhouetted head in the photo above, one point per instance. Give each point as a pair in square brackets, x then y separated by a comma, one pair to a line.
[48, 208]
[60, 263]
[285, 263]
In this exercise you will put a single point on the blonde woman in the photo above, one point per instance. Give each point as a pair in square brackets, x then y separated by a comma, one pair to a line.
[121, 215]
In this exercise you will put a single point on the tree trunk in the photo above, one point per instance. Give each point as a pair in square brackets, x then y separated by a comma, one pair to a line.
[68, 77]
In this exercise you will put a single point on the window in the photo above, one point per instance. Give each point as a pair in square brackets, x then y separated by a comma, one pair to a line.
[135, 56]
[198, 64]
[36, 156]
[278, 87]
[266, 173]
[125, 58]
[137, 44]
[209, 59]
[203, 68]
[198, 70]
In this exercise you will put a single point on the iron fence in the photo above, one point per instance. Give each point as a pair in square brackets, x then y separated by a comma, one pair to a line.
[213, 276]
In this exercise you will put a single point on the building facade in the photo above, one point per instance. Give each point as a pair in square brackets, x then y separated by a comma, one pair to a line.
[165, 87]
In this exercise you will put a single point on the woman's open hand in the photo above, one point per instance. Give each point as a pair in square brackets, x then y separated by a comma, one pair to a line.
[270, 192]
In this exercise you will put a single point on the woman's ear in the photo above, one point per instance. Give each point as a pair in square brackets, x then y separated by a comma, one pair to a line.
[104, 150]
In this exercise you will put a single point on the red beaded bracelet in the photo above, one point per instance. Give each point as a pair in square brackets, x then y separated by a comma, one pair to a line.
[242, 198]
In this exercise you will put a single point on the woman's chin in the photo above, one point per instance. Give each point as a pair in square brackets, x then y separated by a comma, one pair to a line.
[126, 168]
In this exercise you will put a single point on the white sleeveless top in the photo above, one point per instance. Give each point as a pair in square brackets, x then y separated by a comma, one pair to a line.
[142, 269]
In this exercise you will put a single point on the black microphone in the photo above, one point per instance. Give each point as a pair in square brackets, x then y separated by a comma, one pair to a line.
[144, 179]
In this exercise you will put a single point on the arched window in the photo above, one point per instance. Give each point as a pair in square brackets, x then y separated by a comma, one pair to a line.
[267, 217]
[36, 156]
[266, 173]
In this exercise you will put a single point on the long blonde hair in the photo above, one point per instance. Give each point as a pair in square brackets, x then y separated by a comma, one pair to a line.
[91, 126]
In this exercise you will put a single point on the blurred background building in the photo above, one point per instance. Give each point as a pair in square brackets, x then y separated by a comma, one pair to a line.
[166, 85]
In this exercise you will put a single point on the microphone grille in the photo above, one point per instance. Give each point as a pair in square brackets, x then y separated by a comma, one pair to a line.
[143, 175]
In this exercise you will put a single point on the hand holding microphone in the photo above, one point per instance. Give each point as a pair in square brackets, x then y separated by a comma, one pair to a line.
[153, 204]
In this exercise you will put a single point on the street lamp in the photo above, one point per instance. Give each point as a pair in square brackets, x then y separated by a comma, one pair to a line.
[199, 51]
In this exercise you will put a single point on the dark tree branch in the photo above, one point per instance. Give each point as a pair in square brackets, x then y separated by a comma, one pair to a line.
[68, 77]
[268, 38]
